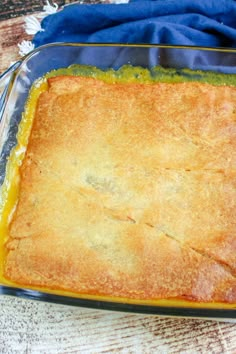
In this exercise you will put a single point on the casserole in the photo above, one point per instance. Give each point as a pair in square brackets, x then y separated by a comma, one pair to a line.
[115, 57]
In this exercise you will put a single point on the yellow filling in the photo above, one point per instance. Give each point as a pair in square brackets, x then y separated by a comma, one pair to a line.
[10, 188]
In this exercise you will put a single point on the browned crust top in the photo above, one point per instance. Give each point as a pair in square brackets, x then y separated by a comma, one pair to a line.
[129, 190]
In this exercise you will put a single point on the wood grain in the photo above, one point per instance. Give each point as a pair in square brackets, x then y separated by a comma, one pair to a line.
[34, 327]
[12, 30]
[11, 33]
[15, 8]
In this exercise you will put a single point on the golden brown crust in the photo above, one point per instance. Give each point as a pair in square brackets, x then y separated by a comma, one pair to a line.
[129, 190]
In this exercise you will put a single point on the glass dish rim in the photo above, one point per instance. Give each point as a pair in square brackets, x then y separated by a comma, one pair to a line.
[21, 61]
[141, 45]
[170, 311]
[14, 68]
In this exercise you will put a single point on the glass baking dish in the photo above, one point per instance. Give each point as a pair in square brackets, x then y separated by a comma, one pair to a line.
[15, 85]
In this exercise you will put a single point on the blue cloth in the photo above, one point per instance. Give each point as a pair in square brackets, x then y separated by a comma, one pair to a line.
[209, 23]
[184, 22]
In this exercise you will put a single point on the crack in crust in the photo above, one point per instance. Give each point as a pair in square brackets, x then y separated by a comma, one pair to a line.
[202, 253]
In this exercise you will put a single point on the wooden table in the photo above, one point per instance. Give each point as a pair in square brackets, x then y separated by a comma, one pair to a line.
[34, 327]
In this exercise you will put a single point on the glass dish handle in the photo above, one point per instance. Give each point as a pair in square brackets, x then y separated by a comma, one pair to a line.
[5, 83]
